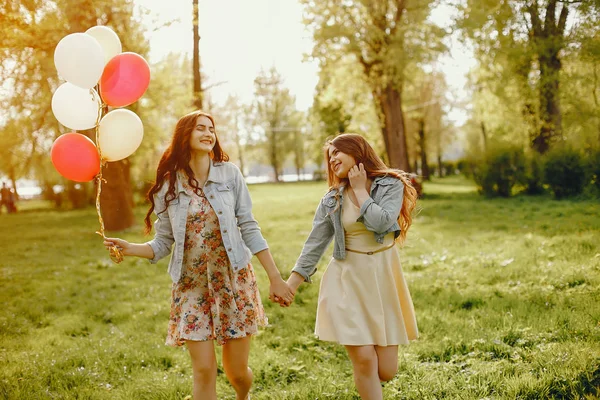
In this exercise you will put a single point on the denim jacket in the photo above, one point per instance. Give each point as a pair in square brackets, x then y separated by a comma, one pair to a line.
[228, 195]
[379, 214]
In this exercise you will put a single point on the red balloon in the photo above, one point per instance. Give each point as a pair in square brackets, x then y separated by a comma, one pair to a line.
[124, 80]
[75, 157]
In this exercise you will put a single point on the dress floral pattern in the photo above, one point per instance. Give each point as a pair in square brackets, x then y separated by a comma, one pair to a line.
[210, 301]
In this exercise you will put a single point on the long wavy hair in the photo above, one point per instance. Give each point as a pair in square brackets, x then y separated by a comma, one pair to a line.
[177, 157]
[362, 152]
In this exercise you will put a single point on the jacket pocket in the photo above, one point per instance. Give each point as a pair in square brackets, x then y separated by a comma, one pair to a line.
[225, 191]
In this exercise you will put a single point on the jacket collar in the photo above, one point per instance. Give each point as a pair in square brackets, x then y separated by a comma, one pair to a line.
[379, 180]
[216, 174]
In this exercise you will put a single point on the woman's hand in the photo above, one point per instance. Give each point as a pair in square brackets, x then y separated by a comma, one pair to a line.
[358, 177]
[281, 293]
[123, 245]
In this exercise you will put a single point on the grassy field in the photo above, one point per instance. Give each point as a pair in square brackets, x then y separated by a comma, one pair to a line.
[506, 293]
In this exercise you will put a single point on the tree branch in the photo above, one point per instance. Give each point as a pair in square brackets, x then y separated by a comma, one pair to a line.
[536, 24]
[562, 20]
[550, 20]
[398, 16]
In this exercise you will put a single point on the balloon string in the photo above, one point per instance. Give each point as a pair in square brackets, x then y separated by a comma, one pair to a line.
[116, 255]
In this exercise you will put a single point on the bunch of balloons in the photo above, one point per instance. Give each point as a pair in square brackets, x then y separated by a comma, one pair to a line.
[97, 75]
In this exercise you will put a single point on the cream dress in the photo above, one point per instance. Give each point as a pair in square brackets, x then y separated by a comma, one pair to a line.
[364, 299]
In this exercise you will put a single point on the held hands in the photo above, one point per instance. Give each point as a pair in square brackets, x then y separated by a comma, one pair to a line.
[358, 177]
[280, 292]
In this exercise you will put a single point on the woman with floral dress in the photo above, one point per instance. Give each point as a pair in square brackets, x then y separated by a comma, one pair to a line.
[204, 208]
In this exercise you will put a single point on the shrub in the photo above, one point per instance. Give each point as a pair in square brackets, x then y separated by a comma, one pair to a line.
[593, 167]
[565, 172]
[502, 167]
[534, 175]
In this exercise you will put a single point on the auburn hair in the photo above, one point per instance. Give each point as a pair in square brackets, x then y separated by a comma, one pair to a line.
[177, 157]
[362, 152]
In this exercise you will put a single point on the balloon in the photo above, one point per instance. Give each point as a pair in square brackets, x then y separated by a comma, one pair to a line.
[124, 80]
[108, 39]
[75, 157]
[79, 59]
[120, 133]
[74, 107]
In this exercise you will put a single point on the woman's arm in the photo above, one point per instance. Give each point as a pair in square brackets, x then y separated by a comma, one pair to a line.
[157, 248]
[163, 238]
[317, 242]
[249, 228]
[278, 290]
[376, 217]
[142, 250]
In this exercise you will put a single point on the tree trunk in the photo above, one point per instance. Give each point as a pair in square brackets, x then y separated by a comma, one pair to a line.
[423, 150]
[238, 144]
[440, 169]
[196, 58]
[484, 136]
[274, 161]
[551, 117]
[393, 129]
[548, 37]
[13, 179]
[116, 198]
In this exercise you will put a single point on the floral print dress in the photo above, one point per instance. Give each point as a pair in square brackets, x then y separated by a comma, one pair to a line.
[211, 301]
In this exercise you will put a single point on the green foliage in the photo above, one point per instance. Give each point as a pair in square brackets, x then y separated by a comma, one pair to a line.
[521, 47]
[594, 168]
[501, 169]
[509, 321]
[565, 172]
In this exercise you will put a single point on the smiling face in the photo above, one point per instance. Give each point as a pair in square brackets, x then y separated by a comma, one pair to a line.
[203, 136]
[340, 163]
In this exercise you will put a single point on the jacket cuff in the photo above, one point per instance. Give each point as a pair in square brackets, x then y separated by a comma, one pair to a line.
[257, 245]
[365, 206]
[155, 250]
[302, 273]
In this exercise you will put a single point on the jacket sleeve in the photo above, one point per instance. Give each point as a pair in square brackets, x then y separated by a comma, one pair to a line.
[380, 217]
[317, 242]
[249, 228]
[163, 238]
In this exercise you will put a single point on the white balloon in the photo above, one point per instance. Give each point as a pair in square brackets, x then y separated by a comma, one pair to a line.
[120, 134]
[108, 39]
[79, 59]
[74, 107]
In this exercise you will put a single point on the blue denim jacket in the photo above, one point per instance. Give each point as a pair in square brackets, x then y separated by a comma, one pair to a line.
[379, 214]
[227, 193]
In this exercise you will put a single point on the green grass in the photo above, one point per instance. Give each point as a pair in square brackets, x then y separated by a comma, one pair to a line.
[506, 293]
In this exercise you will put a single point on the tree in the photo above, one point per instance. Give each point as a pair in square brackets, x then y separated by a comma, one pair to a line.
[35, 28]
[342, 104]
[275, 116]
[198, 96]
[524, 41]
[425, 95]
[379, 35]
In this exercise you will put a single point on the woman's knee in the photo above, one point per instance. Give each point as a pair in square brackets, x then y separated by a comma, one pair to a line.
[204, 372]
[387, 372]
[364, 360]
[239, 376]
[387, 369]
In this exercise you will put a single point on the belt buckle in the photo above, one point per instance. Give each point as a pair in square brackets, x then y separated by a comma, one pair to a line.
[370, 253]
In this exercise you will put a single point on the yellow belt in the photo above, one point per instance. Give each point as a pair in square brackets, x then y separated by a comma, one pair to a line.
[374, 251]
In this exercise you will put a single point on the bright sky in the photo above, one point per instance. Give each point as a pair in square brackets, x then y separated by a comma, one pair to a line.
[239, 37]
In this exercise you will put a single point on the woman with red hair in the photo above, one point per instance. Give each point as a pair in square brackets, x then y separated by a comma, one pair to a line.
[204, 208]
[364, 302]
